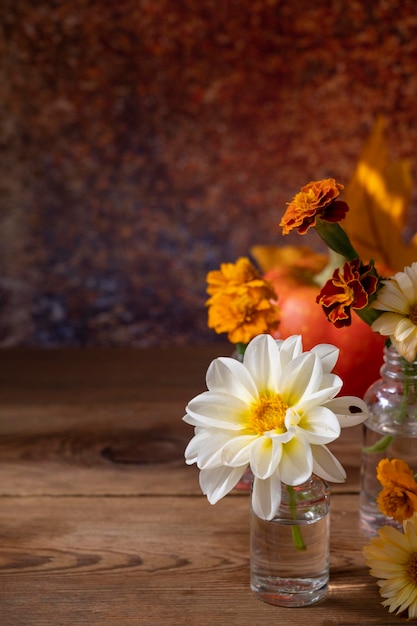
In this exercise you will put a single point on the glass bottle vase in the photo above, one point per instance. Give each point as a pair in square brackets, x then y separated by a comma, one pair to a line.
[289, 555]
[389, 432]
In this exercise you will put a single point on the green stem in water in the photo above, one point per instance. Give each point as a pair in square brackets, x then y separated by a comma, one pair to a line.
[381, 445]
[297, 537]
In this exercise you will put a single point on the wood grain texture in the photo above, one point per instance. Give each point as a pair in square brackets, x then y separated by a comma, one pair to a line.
[101, 522]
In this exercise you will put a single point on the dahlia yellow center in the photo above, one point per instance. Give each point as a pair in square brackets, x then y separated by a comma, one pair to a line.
[412, 568]
[413, 314]
[267, 413]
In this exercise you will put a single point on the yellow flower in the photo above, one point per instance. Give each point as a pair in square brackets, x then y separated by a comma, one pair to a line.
[242, 303]
[398, 499]
[392, 558]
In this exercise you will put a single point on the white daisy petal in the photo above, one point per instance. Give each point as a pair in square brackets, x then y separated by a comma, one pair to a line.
[405, 285]
[266, 496]
[388, 556]
[407, 349]
[404, 329]
[326, 465]
[391, 297]
[386, 323]
[398, 299]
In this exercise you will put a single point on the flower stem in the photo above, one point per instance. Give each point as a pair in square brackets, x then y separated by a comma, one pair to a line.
[381, 445]
[336, 239]
[240, 348]
[297, 537]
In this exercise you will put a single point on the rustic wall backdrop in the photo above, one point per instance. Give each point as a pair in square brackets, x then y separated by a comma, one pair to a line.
[143, 142]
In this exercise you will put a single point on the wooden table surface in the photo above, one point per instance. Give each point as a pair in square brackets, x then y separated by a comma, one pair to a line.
[101, 521]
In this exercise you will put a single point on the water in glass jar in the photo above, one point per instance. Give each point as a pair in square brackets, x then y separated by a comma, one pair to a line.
[400, 447]
[282, 574]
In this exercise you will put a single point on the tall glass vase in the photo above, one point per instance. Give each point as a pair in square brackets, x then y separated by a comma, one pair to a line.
[389, 432]
[289, 555]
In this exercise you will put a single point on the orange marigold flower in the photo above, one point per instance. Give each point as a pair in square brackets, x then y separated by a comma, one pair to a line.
[398, 498]
[242, 303]
[316, 200]
[231, 275]
[347, 290]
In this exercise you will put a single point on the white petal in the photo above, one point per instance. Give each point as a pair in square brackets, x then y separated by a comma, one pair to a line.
[216, 410]
[404, 329]
[318, 398]
[289, 349]
[349, 410]
[331, 382]
[328, 355]
[326, 465]
[405, 285]
[297, 461]
[266, 496]
[391, 298]
[265, 456]
[407, 349]
[237, 451]
[191, 451]
[320, 425]
[412, 274]
[386, 323]
[205, 448]
[300, 378]
[227, 375]
[262, 360]
[217, 483]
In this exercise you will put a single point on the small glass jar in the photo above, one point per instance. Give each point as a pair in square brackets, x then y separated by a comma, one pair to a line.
[289, 555]
[389, 432]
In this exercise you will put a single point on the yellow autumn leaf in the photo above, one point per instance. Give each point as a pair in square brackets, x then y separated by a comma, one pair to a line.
[296, 258]
[378, 196]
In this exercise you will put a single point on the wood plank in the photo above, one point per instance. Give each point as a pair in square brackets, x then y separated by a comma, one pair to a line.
[92, 423]
[101, 521]
[159, 560]
[39, 376]
[129, 450]
[107, 422]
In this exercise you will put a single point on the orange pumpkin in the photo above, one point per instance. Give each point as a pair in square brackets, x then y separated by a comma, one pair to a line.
[361, 349]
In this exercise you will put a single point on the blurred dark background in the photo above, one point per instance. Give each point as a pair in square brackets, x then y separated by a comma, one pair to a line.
[144, 142]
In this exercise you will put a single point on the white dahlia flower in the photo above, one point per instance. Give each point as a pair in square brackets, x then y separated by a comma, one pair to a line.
[274, 412]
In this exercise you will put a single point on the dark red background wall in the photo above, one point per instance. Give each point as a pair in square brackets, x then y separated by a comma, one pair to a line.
[144, 142]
